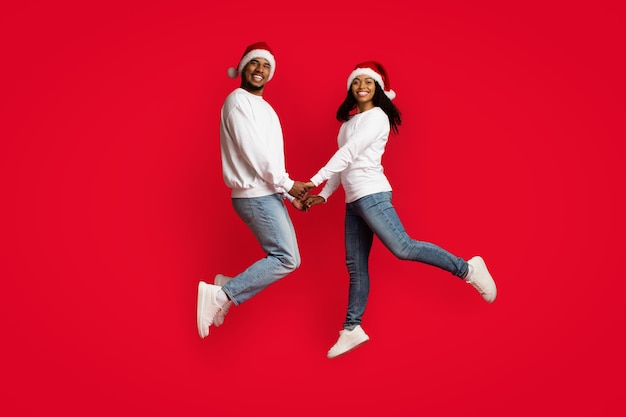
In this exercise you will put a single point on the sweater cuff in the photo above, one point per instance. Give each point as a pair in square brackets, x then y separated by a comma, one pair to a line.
[317, 179]
[288, 185]
[324, 194]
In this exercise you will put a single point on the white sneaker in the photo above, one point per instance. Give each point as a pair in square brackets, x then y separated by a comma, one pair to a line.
[221, 280]
[481, 279]
[207, 307]
[348, 340]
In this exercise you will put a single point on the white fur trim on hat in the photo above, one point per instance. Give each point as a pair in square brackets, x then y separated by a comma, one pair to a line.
[258, 53]
[375, 76]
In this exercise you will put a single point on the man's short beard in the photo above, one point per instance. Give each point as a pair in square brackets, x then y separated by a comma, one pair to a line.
[250, 87]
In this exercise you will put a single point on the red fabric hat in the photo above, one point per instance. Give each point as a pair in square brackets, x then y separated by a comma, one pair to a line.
[256, 50]
[377, 72]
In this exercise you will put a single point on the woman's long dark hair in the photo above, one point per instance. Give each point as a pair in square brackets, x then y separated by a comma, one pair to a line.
[380, 100]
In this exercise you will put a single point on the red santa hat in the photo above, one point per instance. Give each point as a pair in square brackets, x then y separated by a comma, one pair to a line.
[256, 50]
[377, 72]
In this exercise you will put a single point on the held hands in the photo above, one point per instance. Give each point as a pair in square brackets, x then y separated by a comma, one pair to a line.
[312, 200]
[303, 201]
[307, 202]
[299, 205]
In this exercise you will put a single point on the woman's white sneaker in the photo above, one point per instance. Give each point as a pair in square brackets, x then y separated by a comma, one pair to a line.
[480, 279]
[348, 340]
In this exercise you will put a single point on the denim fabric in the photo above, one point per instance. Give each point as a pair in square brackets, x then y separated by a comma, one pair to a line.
[372, 215]
[269, 221]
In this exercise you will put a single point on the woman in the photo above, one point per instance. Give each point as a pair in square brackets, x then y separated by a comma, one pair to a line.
[357, 167]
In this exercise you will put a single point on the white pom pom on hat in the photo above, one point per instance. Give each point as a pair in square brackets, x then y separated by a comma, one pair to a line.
[256, 50]
[232, 72]
[377, 72]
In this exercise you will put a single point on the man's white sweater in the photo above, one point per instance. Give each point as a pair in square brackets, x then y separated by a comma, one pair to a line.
[251, 140]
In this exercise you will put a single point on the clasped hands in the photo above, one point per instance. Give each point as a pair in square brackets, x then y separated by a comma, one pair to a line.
[303, 200]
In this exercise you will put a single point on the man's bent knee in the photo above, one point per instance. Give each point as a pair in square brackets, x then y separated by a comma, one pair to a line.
[291, 262]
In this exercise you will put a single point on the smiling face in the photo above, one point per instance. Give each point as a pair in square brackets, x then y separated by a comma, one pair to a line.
[255, 75]
[363, 88]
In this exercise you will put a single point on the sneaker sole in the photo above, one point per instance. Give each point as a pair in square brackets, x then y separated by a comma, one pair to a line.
[350, 349]
[199, 309]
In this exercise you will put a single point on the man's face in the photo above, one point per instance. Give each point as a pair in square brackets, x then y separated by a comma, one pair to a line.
[254, 75]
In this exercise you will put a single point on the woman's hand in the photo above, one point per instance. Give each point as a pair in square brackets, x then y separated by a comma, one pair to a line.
[313, 200]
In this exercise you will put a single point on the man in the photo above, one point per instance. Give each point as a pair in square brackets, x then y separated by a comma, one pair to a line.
[253, 166]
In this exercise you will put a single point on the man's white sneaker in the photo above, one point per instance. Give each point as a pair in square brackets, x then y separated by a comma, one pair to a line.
[481, 279]
[221, 280]
[348, 340]
[207, 307]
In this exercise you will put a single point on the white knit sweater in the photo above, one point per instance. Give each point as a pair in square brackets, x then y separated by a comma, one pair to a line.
[357, 162]
[251, 140]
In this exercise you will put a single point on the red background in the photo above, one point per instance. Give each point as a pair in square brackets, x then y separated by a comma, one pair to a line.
[114, 208]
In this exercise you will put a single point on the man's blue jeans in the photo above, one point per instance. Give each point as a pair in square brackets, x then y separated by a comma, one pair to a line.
[269, 221]
[375, 215]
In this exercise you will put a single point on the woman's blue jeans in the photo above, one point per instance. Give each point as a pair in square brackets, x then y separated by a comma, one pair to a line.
[372, 215]
[269, 221]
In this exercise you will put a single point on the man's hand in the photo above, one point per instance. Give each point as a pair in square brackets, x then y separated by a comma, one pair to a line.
[299, 205]
[299, 190]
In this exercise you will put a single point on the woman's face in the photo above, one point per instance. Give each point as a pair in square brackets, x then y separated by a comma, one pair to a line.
[363, 88]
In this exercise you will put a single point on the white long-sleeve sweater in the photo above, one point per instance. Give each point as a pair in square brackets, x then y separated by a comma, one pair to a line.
[357, 163]
[251, 140]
